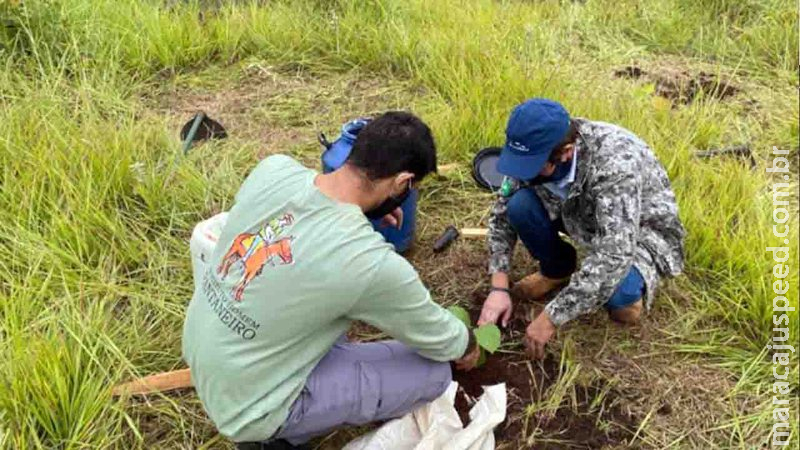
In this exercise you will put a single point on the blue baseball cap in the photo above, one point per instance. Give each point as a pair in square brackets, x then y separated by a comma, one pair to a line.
[534, 129]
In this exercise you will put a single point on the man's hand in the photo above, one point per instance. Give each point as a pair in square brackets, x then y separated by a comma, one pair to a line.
[538, 334]
[470, 360]
[497, 306]
[394, 219]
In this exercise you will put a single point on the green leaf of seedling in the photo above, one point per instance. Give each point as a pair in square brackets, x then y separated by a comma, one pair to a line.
[488, 337]
[461, 314]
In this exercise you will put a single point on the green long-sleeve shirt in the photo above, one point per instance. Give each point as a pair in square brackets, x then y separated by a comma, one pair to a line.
[292, 269]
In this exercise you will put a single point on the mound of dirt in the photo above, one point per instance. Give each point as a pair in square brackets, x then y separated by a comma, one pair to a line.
[593, 419]
[629, 72]
[680, 86]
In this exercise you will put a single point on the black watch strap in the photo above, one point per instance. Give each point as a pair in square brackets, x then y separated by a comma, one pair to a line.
[506, 290]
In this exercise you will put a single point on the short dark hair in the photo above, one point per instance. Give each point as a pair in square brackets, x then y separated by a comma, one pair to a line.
[569, 138]
[394, 142]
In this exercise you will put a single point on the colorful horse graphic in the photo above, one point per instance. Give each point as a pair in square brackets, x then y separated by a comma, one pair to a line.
[256, 249]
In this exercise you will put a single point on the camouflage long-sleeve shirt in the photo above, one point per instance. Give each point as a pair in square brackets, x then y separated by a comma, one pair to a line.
[620, 211]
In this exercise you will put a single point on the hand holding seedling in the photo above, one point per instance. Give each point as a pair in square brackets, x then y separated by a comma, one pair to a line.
[487, 336]
[538, 334]
[470, 360]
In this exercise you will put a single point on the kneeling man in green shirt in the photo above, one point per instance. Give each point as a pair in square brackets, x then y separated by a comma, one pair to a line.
[296, 263]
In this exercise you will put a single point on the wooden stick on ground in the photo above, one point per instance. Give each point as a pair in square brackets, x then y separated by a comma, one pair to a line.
[160, 382]
[445, 168]
[474, 232]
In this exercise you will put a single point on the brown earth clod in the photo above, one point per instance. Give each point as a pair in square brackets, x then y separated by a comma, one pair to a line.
[680, 86]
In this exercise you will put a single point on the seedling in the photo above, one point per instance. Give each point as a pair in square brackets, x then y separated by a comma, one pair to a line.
[487, 335]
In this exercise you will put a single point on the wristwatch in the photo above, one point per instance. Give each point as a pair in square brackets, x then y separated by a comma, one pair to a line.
[495, 288]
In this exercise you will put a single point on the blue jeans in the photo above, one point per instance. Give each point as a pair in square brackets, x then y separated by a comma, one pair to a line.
[557, 258]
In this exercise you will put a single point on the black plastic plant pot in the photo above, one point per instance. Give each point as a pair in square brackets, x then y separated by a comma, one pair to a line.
[484, 169]
[201, 128]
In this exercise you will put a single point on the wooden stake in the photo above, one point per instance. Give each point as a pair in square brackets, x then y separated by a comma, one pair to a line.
[474, 232]
[445, 168]
[160, 382]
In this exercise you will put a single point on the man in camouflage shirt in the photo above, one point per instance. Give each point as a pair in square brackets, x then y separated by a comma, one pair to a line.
[603, 187]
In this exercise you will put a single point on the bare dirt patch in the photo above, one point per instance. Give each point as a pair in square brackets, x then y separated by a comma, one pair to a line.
[680, 86]
[278, 111]
[682, 396]
[588, 416]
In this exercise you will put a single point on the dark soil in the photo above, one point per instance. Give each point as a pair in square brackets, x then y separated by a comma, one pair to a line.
[680, 86]
[629, 72]
[578, 424]
[498, 369]
[743, 152]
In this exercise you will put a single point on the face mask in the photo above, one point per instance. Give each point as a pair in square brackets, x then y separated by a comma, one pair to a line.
[562, 170]
[388, 205]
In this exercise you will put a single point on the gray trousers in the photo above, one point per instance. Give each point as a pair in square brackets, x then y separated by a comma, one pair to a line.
[355, 384]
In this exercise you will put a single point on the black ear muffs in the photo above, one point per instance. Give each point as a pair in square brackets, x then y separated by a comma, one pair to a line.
[484, 169]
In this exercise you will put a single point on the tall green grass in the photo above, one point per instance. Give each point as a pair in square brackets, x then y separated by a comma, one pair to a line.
[95, 212]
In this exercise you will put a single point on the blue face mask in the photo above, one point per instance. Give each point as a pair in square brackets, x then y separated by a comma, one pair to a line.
[562, 170]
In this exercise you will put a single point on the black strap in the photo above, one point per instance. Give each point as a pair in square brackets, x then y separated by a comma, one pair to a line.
[324, 140]
[506, 290]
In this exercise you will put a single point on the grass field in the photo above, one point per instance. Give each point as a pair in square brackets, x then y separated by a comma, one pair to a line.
[97, 203]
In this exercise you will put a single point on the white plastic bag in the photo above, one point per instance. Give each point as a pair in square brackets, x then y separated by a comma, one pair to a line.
[436, 426]
[204, 239]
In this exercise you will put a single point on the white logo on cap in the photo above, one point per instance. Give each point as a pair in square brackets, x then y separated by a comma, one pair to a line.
[518, 147]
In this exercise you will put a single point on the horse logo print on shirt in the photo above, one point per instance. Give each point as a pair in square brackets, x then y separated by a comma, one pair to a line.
[254, 250]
